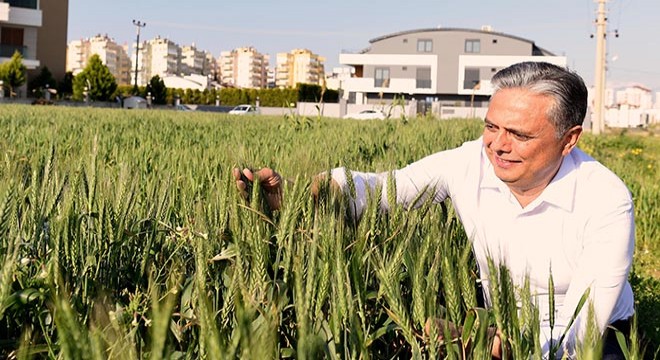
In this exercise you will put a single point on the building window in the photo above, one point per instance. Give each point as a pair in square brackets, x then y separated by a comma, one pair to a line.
[382, 77]
[424, 45]
[405, 41]
[423, 79]
[473, 46]
[11, 41]
[494, 41]
[471, 78]
[404, 68]
[29, 4]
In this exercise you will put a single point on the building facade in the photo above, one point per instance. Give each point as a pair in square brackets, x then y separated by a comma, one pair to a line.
[51, 36]
[299, 66]
[112, 55]
[442, 64]
[19, 25]
[244, 68]
[195, 61]
[158, 56]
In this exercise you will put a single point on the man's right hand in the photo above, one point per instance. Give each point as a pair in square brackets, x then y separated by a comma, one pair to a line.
[269, 180]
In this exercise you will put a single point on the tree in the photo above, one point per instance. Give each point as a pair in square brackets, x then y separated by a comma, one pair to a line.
[98, 80]
[44, 80]
[13, 72]
[65, 86]
[158, 90]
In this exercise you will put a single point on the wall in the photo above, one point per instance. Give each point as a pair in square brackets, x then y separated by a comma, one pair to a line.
[51, 36]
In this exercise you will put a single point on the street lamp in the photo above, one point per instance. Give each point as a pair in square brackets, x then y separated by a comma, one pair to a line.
[139, 25]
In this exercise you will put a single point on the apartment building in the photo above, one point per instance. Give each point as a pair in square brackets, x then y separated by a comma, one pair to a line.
[158, 56]
[112, 55]
[195, 61]
[448, 65]
[634, 97]
[299, 66]
[244, 68]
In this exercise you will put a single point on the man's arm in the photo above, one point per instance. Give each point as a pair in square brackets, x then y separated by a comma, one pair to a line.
[603, 267]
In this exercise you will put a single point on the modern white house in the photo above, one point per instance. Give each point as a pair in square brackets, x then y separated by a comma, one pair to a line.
[19, 25]
[441, 65]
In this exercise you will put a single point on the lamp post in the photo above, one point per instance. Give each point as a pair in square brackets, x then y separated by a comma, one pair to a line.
[139, 25]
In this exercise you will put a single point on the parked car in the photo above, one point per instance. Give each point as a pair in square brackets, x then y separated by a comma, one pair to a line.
[366, 115]
[243, 110]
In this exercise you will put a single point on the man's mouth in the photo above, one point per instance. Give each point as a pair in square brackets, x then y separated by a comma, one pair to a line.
[505, 163]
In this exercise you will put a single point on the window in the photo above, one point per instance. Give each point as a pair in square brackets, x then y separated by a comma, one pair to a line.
[423, 79]
[472, 46]
[382, 77]
[28, 4]
[471, 78]
[404, 68]
[424, 45]
[11, 41]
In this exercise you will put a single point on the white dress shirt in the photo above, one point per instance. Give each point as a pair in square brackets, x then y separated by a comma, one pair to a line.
[581, 228]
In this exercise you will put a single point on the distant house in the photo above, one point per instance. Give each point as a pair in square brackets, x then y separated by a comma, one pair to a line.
[448, 65]
[37, 30]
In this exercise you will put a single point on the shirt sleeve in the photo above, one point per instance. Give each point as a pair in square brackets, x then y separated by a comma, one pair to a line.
[429, 177]
[603, 268]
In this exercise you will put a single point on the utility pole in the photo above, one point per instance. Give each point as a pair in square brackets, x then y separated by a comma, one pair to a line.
[139, 25]
[597, 125]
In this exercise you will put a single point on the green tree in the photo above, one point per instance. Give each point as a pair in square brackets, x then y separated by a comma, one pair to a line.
[65, 87]
[39, 83]
[97, 78]
[13, 72]
[158, 90]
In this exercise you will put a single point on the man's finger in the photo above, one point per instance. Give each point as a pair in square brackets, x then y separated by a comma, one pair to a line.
[248, 174]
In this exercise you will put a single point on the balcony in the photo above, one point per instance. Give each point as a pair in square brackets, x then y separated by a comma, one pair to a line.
[7, 51]
[20, 15]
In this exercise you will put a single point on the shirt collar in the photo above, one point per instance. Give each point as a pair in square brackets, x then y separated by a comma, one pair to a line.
[560, 192]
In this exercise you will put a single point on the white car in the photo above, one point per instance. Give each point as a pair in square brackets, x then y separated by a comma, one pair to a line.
[243, 110]
[366, 115]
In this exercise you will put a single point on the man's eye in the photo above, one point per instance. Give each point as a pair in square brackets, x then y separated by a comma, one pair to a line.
[521, 137]
[490, 127]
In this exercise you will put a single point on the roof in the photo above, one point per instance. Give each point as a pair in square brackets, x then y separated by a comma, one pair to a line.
[384, 37]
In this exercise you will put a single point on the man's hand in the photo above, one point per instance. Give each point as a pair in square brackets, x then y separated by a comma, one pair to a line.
[269, 180]
[440, 325]
[323, 185]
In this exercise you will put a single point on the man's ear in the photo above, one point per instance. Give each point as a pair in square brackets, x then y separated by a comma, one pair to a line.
[571, 138]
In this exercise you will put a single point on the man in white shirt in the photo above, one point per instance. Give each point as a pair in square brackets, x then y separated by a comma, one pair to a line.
[529, 198]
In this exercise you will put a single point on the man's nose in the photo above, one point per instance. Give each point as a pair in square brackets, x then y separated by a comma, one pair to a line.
[501, 142]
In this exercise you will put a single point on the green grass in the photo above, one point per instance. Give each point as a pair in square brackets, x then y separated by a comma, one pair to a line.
[122, 235]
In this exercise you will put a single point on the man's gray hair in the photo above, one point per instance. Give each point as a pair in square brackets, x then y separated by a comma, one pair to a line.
[564, 86]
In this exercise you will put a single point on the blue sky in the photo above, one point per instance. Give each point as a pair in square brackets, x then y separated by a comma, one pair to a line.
[327, 28]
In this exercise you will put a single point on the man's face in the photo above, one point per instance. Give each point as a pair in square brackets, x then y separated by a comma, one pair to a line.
[521, 143]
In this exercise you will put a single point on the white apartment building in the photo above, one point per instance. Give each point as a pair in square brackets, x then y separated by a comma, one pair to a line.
[299, 66]
[112, 55]
[634, 97]
[244, 68]
[194, 61]
[158, 56]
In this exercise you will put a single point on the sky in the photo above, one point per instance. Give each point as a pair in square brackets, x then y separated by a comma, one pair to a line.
[328, 28]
